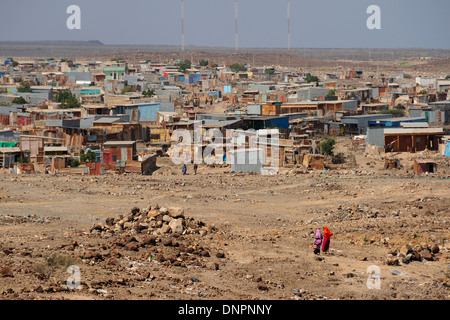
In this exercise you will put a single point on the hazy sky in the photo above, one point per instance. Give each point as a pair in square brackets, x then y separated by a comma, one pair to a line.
[262, 23]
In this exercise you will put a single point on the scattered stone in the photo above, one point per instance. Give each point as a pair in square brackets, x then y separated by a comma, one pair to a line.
[392, 260]
[406, 249]
[434, 248]
[176, 212]
[263, 287]
[176, 225]
[6, 272]
[426, 254]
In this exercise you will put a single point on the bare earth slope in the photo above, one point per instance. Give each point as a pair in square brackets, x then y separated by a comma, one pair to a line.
[249, 236]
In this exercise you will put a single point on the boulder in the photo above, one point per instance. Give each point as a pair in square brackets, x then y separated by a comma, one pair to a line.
[415, 256]
[176, 225]
[176, 212]
[135, 211]
[149, 240]
[6, 272]
[110, 222]
[132, 246]
[406, 249]
[426, 254]
[165, 228]
[167, 242]
[392, 260]
[163, 210]
[153, 213]
[128, 225]
[434, 248]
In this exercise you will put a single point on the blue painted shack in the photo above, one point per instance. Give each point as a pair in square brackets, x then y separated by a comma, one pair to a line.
[396, 122]
[266, 122]
[143, 112]
[193, 78]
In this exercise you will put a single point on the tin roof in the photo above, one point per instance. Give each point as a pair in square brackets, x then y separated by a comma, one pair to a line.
[108, 120]
[414, 130]
[118, 143]
[424, 161]
[55, 149]
[10, 150]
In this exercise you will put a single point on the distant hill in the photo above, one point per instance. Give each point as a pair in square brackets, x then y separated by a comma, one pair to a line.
[93, 48]
[50, 43]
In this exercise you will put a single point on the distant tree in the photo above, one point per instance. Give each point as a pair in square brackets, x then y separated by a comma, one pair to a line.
[204, 63]
[22, 159]
[423, 91]
[184, 66]
[89, 156]
[237, 67]
[331, 93]
[74, 163]
[126, 90]
[148, 93]
[270, 71]
[311, 78]
[447, 77]
[24, 87]
[327, 145]
[19, 100]
[67, 100]
[396, 113]
[214, 65]
[13, 63]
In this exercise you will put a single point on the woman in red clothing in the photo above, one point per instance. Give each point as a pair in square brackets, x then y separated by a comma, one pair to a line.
[326, 240]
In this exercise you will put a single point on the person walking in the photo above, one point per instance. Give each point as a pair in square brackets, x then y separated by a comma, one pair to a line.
[184, 169]
[195, 168]
[326, 240]
[317, 241]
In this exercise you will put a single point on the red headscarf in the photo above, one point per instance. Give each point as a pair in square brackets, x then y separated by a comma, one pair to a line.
[327, 233]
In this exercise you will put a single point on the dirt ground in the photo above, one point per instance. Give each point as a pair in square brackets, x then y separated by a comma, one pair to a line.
[257, 232]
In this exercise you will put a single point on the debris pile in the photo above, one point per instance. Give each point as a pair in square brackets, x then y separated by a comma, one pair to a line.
[157, 234]
[408, 253]
[11, 219]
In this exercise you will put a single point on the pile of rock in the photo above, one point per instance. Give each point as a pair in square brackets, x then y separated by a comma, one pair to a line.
[152, 220]
[157, 234]
[408, 253]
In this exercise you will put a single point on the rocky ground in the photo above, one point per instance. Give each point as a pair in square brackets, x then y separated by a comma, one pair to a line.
[220, 235]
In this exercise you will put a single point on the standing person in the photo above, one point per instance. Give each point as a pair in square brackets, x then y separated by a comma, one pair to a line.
[184, 169]
[317, 241]
[326, 240]
[195, 168]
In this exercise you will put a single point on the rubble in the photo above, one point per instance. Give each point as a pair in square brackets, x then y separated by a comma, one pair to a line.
[157, 234]
[408, 254]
